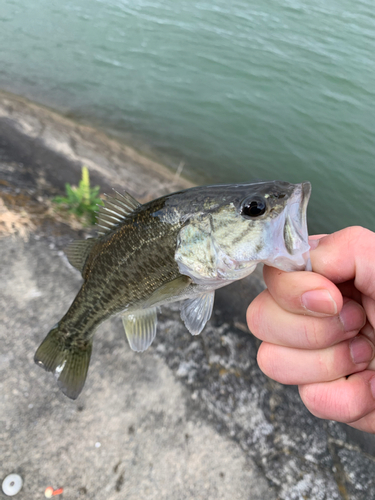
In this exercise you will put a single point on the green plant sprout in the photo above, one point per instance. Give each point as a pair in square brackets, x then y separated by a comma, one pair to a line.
[82, 201]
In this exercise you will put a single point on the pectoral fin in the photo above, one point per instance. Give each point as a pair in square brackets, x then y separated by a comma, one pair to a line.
[171, 290]
[196, 312]
[140, 328]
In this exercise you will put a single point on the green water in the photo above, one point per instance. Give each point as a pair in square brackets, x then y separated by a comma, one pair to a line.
[237, 91]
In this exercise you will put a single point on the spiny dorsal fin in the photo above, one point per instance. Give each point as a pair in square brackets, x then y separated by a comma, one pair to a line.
[116, 208]
[78, 251]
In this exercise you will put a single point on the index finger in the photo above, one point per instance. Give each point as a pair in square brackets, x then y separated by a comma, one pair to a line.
[303, 292]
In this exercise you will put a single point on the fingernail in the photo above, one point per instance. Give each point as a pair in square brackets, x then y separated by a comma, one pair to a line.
[319, 301]
[313, 243]
[352, 316]
[372, 386]
[361, 350]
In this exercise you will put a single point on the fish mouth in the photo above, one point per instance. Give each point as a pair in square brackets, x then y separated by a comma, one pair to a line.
[295, 226]
[293, 254]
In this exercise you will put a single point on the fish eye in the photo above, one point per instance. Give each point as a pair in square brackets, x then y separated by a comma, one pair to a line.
[254, 207]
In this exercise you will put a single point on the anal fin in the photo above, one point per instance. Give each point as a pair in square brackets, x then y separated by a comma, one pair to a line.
[140, 328]
[196, 312]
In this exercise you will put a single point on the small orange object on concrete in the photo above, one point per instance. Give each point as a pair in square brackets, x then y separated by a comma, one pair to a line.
[50, 492]
[57, 492]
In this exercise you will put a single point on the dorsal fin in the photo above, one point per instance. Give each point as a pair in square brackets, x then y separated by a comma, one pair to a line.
[78, 251]
[116, 208]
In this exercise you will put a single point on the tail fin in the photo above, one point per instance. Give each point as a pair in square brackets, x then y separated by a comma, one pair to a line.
[69, 363]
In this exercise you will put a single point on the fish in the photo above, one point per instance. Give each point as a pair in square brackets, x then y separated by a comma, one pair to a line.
[180, 247]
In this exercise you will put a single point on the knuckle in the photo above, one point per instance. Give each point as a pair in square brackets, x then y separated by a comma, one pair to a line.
[255, 315]
[311, 334]
[336, 401]
[272, 364]
[323, 402]
[265, 360]
[314, 398]
[325, 365]
[322, 333]
[354, 234]
[351, 413]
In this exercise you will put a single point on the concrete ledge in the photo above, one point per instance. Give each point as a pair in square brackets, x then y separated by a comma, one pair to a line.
[57, 143]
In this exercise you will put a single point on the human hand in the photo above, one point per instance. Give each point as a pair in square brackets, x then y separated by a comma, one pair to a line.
[317, 328]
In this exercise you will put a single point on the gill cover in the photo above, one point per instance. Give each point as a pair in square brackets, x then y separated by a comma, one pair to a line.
[195, 251]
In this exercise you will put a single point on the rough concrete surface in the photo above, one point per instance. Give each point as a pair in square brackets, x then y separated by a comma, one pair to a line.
[133, 433]
[191, 418]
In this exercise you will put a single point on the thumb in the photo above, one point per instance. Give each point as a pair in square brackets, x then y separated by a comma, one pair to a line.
[346, 255]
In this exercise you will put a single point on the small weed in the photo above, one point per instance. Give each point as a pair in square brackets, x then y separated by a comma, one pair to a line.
[81, 201]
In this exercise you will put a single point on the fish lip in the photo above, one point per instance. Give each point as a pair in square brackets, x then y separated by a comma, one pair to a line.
[295, 226]
[297, 206]
[305, 197]
[306, 193]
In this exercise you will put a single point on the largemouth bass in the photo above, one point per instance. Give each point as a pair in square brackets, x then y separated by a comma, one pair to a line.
[181, 247]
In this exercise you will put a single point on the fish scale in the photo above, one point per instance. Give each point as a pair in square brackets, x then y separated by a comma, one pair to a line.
[136, 269]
